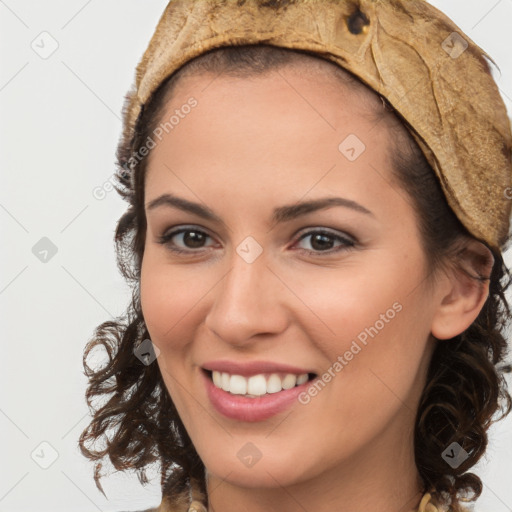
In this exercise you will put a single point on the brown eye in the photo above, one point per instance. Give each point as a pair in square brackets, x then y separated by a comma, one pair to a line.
[196, 241]
[357, 22]
[323, 241]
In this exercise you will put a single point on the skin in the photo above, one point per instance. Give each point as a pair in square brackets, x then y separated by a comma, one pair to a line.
[249, 146]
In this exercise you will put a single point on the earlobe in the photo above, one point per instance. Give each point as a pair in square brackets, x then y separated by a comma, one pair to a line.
[468, 289]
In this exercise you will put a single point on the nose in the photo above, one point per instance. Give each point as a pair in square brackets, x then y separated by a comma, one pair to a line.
[246, 302]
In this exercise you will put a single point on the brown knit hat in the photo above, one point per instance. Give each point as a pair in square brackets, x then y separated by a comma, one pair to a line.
[433, 74]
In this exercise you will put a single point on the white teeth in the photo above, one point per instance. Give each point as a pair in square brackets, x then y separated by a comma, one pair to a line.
[256, 385]
[302, 378]
[217, 379]
[289, 381]
[238, 385]
[225, 381]
[274, 384]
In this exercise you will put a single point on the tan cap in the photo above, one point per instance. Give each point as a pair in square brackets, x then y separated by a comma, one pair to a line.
[433, 74]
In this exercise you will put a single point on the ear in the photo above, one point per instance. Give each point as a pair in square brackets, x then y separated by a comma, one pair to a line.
[466, 290]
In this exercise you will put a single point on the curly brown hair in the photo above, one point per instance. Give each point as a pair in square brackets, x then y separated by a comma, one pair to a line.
[465, 382]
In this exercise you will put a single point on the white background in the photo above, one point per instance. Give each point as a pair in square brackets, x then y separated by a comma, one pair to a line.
[59, 128]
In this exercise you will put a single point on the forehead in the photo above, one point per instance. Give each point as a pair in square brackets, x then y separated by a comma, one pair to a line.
[265, 136]
[299, 64]
[283, 106]
[308, 92]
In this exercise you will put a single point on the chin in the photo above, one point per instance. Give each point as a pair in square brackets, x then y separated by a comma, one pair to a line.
[265, 473]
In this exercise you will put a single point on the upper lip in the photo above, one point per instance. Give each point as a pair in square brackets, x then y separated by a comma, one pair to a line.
[248, 368]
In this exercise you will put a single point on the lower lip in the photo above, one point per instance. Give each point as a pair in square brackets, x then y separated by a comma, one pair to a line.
[242, 408]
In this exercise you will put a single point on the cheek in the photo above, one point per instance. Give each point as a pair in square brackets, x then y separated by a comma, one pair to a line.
[167, 306]
[376, 318]
[341, 304]
[165, 298]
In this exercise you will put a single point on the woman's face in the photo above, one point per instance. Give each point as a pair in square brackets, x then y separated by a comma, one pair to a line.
[274, 280]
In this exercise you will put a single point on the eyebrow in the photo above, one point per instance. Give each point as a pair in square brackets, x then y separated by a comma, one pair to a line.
[280, 214]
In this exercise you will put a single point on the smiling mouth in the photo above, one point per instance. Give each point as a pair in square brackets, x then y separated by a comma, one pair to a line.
[257, 385]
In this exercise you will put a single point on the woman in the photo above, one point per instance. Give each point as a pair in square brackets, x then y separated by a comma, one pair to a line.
[317, 217]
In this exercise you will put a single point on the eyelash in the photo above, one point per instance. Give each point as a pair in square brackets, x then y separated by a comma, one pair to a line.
[347, 242]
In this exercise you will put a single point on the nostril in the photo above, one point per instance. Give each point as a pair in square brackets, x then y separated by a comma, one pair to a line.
[358, 22]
